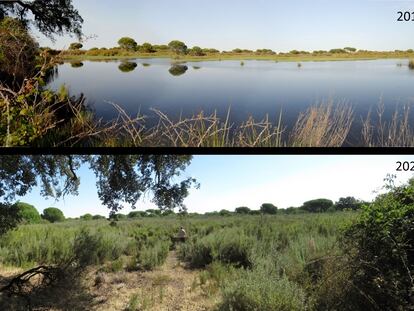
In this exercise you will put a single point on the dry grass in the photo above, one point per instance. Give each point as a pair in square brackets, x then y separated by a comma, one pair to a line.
[166, 288]
[325, 125]
[395, 133]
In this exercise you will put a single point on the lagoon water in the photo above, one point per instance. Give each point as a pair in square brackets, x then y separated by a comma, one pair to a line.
[257, 88]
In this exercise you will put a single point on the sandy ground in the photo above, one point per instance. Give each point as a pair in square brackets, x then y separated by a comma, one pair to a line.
[170, 288]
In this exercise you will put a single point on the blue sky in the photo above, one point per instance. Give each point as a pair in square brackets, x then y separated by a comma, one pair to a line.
[228, 182]
[275, 24]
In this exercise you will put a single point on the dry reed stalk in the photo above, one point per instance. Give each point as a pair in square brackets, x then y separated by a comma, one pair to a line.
[322, 126]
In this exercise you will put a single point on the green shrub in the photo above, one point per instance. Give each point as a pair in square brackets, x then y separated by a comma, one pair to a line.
[153, 256]
[227, 246]
[257, 290]
[381, 252]
[317, 206]
[268, 208]
[86, 217]
[53, 214]
[28, 213]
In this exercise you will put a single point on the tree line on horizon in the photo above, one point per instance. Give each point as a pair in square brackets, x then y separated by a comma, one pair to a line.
[30, 215]
[178, 47]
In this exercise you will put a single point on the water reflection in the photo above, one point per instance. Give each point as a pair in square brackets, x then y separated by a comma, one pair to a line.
[76, 64]
[127, 66]
[178, 70]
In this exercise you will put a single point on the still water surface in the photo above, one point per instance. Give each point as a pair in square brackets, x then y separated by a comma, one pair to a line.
[257, 88]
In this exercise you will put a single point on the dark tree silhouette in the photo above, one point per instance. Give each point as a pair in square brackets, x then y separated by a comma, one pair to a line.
[120, 179]
[51, 17]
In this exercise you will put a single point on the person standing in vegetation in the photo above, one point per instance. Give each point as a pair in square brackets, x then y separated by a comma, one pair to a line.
[182, 235]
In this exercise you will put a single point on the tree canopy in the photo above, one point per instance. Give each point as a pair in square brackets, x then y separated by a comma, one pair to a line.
[127, 43]
[75, 46]
[268, 208]
[120, 178]
[349, 203]
[317, 206]
[28, 212]
[50, 17]
[178, 47]
[242, 210]
[53, 214]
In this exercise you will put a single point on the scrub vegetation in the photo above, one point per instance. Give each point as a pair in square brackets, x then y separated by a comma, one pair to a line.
[348, 255]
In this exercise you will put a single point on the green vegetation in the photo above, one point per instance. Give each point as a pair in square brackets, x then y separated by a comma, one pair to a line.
[318, 205]
[178, 70]
[178, 47]
[127, 66]
[268, 208]
[75, 46]
[127, 44]
[348, 260]
[53, 214]
[28, 213]
[17, 45]
[181, 51]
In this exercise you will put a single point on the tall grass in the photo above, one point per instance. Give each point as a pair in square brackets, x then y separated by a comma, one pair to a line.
[253, 262]
[326, 125]
[396, 132]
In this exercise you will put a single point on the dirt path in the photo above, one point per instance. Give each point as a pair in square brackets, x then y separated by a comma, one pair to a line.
[169, 288]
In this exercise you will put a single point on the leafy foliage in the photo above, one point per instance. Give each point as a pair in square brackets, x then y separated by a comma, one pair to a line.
[381, 248]
[268, 208]
[49, 16]
[317, 206]
[348, 203]
[255, 290]
[18, 51]
[127, 66]
[178, 47]
[127, 43]
[75, 46]
[196, 51]
[243, 210]
[147, 48]
[28, 213]
[53, 214]
[9, 217]
[178, 70]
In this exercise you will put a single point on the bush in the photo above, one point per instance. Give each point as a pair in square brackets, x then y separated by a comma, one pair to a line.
[18, 51]
[9, 217]
[127, 66]
[257, 290]
[268, 208]
[127, 43]
[348, 203]
[75, 46]
[178, 47]
[153, 256]
[317, 206]
[381, 248]
[86, 217]
[243, 210]
[147, 48]
[53, 214]
[28, 213]
[196, 51]
[227, 246]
